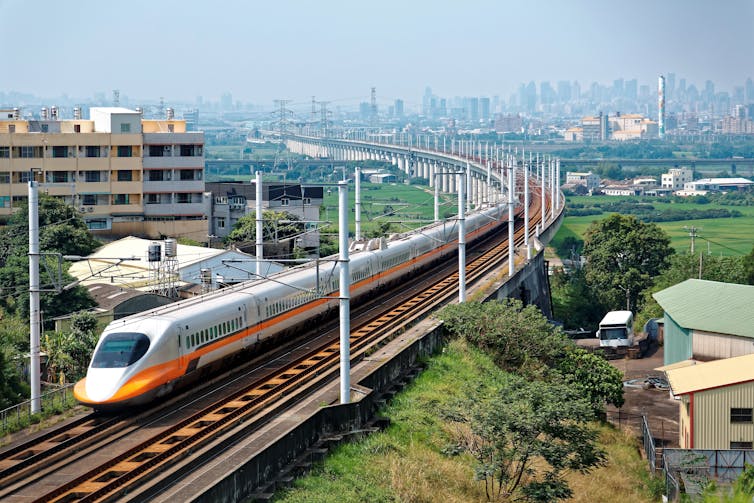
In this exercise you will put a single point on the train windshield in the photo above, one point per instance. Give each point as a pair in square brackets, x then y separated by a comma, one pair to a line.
[120, 350]
[607, 334]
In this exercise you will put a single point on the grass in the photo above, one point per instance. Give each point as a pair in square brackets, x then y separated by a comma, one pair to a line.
[413, 205]
[405, 463]
[721, 236]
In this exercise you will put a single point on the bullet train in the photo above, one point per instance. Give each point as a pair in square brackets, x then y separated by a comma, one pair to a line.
[147, 355]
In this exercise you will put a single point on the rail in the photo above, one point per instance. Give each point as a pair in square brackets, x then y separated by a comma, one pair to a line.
[243, 411]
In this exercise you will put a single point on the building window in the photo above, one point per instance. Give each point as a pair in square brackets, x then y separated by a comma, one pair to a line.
[221, 223]
[740, 415]
[171, 128]
[152, 198]
[29, 152]
[183, 198]
[92, 176]
[125, 151]
[77, 128]
[59, 177]
[191, 150]
[4, 152]
[92, 151]
[88, 199]
[120, 198]
[4, 177]
[740, 445]
[23, 177]
[96, 224]
[45, 128]
[125, 127]
[59, 151]
[285, 201]
[125, 175]
[307, 200]
[158, 175]
[187, 174]
[11, 128]
[159, 151]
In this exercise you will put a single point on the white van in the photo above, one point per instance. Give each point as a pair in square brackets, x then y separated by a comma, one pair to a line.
[616, 329]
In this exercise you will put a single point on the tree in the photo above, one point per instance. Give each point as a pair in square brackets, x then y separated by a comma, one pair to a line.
[276, 225]
[748, 266]
[526, 435]
[623, 256]
[517, 337]
[69, 352]
[591, 374]
[573, 301]
[62, 231]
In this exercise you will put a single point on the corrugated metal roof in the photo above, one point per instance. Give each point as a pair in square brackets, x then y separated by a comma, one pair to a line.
[712, 374]
[697, 304]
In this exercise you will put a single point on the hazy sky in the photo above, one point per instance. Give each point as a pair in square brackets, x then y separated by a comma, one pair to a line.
[337, 50]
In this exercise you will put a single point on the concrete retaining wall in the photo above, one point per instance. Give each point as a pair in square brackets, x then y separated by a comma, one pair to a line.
[258, 471]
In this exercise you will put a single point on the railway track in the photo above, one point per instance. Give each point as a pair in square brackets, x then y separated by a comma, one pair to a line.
[245, 409]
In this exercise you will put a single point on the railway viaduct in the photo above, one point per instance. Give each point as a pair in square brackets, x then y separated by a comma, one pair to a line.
[484, 167]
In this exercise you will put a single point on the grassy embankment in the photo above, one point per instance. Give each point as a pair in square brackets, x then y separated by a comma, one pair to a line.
[406, 463]
[726, 236]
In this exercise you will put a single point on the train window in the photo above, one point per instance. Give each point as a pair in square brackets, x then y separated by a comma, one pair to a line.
[214, 330]
[119, 350]
[188, 341]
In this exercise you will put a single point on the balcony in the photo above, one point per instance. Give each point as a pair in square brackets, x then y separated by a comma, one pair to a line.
[174, 186]
[173, 162]
[174, 209]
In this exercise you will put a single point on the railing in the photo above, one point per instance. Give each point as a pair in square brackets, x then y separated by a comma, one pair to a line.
[19, 416]
[649, 445]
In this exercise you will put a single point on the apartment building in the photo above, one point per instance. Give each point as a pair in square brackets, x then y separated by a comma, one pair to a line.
[126, 175]
[227, 202]
[676, 178]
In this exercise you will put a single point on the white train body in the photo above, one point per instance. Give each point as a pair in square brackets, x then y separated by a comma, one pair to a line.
[147, 355]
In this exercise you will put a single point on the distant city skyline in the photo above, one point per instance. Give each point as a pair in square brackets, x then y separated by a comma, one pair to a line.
[337, 51]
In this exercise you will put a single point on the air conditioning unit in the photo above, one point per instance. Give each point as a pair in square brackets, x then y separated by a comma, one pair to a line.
[82, 209]
[166, 148]
[90, 209]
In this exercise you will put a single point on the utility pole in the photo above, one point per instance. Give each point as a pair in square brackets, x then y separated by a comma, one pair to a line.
[281, 124]
[323, 117]
[34, 316]
[345, 295]
[692, 234]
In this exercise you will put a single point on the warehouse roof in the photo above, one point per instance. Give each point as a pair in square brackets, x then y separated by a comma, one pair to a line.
[710, 306]
[714, 374]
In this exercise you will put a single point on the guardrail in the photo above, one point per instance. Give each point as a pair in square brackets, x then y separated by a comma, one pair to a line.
[19, 416]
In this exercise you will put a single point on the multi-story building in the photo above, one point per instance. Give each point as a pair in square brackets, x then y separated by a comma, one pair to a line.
[589, 180]
[124, 174]
[632, 127]
[675, 178]
[596, 128]
[227, 202]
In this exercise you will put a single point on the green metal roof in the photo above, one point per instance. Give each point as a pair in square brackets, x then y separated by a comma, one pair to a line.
[724, 308]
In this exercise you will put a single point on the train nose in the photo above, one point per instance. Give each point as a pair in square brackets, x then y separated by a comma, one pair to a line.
[102, 384]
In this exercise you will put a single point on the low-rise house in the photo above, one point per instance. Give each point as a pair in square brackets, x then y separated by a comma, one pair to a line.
[716, 401]
[707, 320]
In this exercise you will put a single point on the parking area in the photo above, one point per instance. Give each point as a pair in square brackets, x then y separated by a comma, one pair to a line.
[652, 401]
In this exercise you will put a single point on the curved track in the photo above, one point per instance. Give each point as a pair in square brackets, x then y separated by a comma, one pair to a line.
[221, 421]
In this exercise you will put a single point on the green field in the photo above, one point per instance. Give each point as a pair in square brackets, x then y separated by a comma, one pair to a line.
[721, 236]
[413, 205]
